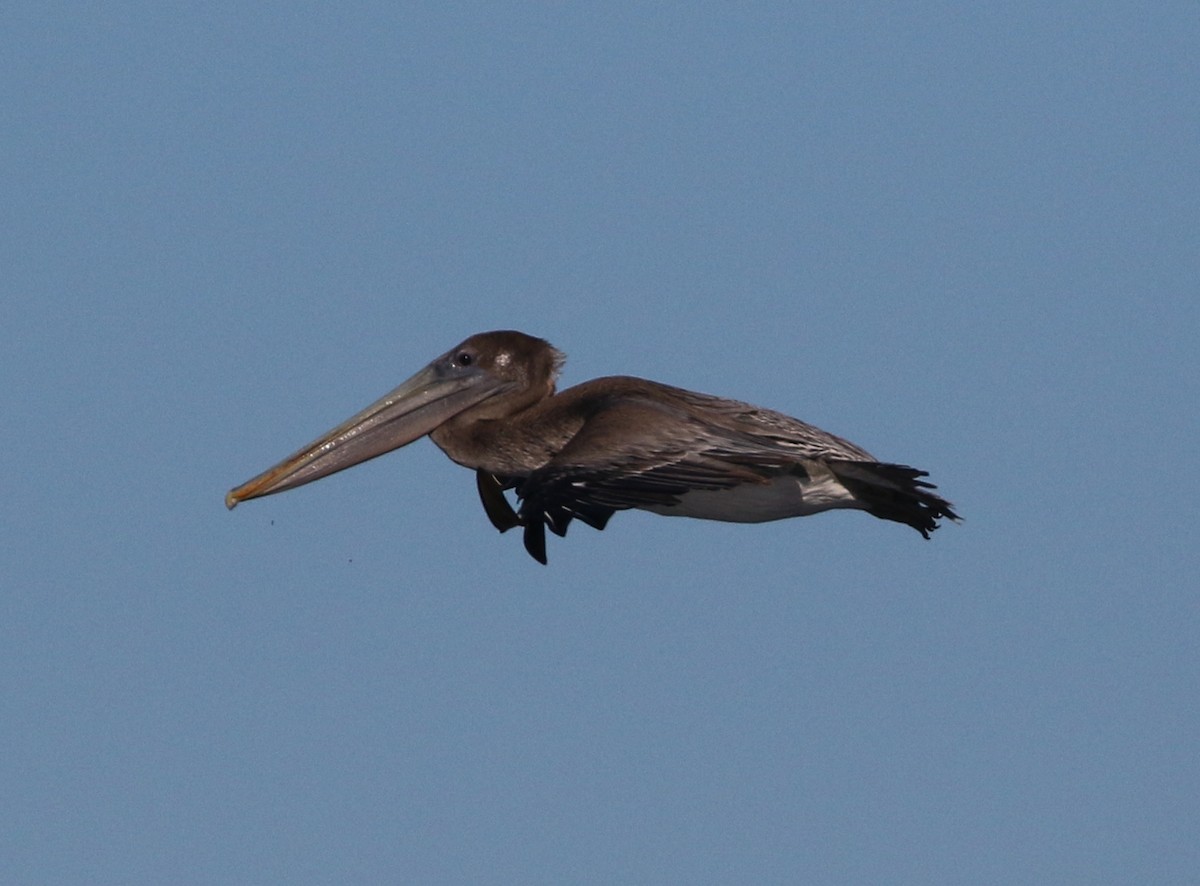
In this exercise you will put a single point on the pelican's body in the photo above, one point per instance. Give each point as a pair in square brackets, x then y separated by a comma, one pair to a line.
[606, 445]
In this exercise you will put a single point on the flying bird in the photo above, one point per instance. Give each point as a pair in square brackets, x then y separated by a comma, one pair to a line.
[607, 445]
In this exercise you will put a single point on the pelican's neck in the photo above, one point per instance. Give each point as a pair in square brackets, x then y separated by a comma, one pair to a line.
[514, 446]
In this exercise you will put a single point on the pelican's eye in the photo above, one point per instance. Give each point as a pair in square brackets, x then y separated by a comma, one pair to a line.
[464, 358]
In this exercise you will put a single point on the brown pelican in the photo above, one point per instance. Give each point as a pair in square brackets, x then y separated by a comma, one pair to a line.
[607, 445]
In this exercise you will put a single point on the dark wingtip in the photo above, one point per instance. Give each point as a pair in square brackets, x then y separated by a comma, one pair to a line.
[495, 505]
[896, 492]
[535, 540]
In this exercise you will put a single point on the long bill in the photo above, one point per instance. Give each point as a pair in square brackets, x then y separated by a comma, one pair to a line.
[425, 401]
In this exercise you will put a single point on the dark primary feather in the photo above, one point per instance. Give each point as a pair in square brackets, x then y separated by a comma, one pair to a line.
[495, 505]
[895, 492]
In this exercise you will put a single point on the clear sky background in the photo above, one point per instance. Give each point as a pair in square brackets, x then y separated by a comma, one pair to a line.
[964, 236]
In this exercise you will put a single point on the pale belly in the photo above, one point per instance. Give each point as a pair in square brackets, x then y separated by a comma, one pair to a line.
[787, 496]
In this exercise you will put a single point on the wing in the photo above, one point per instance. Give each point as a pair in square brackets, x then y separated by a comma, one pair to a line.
[648, 451]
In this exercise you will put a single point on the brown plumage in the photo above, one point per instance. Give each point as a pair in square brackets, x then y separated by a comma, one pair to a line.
[606, 445]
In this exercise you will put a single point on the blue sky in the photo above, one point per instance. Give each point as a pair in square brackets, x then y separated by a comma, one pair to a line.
[965, 238]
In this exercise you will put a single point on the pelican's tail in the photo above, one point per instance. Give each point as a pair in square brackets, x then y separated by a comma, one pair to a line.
[894, 492]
